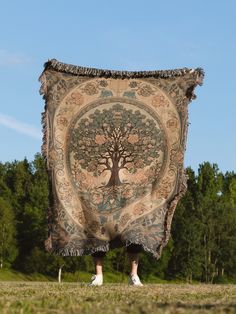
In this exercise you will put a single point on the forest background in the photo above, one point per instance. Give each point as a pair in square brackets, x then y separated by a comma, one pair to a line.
[202, 246]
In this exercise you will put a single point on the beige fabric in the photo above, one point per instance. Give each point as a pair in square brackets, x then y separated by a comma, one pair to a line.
[114, 144]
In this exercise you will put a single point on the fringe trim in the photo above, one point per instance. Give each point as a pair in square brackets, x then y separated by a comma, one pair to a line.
[44, 117]
[93, 72]
[44, 149]
[79, 252]
[43, 88]
[146, 248]
[170, 211]
[104, 248]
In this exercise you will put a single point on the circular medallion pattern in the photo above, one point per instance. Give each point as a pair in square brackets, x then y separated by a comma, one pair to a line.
[116, 150]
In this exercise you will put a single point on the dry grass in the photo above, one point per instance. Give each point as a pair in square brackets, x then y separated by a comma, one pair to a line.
[51, 297]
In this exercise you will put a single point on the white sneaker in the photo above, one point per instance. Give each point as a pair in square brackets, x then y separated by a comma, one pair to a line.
[96, 280]
[134, 280]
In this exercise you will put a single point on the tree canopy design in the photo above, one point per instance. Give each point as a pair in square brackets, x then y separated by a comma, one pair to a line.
[114, 139]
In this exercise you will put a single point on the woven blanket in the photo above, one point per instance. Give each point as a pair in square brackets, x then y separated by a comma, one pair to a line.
[114, 144]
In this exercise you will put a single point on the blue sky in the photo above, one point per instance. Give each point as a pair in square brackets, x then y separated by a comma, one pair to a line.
[130, 35]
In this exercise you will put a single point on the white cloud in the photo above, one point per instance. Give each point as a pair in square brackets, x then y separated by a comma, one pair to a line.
[9, 58]
[20, 127]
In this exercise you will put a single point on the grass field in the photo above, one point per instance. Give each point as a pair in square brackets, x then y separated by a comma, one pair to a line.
[52, 297]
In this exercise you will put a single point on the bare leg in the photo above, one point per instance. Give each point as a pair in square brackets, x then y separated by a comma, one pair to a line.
[134, 259]
[134, 278]
[97, 279]
[98, 262]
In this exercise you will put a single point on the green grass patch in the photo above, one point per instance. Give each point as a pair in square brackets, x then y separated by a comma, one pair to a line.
[12, 275]
[52, 297]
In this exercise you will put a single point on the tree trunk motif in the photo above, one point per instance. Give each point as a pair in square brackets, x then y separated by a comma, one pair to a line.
[114, 178]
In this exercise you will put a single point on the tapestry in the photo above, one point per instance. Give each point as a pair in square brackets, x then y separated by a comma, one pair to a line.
[114, 144]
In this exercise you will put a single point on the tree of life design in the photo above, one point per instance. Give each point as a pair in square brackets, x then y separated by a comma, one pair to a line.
[114, 139]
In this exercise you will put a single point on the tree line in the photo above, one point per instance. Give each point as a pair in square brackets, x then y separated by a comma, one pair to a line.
[202, 246]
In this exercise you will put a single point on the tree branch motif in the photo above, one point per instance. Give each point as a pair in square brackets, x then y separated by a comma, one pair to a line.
[114, 139]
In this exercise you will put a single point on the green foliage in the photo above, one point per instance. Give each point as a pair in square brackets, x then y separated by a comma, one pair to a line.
[149, 266]
[42, 262]
[204, 229]
[8, 249]
[185, 260]
[8, 274]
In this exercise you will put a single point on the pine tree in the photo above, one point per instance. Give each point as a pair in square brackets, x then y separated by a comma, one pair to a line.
[8, 248]
[210, 182]
[187, 228]
[226, 229]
